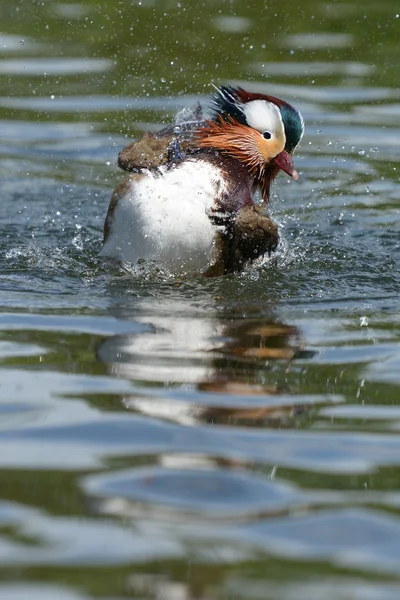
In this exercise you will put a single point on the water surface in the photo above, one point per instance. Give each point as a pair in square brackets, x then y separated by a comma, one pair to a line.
[184, 438]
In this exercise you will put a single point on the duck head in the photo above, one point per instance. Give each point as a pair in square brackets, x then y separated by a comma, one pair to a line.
[259, 130]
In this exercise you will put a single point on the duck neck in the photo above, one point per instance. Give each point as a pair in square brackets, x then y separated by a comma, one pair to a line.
[235, 170]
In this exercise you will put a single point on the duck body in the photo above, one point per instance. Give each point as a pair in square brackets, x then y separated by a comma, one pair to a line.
[163, 215]
[188, 202]
[186, 216]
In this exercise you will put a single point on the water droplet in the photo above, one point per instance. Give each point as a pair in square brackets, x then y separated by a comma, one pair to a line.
[361, 153]
[22, 42]
[363, 322]
[254, 275]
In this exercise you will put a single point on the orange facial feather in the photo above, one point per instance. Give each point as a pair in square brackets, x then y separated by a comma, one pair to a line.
[242, 142]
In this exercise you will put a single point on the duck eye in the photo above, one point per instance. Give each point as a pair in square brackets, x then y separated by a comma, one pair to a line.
[267, 135]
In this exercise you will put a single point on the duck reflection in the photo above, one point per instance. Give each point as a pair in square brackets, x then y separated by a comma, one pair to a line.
[194, 367]
[252, 365]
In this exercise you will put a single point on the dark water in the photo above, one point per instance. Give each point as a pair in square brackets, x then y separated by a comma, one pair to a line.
[187, 438]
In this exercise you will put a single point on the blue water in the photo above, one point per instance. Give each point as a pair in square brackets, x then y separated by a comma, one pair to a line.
[180, 438]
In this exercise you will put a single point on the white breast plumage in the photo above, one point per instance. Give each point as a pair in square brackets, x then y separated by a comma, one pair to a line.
[163, 215]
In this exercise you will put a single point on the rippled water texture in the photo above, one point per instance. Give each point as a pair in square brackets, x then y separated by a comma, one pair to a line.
[181, 438]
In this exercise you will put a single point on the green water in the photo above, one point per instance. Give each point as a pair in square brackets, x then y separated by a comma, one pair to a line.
[182, 438]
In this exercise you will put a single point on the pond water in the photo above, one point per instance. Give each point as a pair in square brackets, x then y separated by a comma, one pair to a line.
[181, 438]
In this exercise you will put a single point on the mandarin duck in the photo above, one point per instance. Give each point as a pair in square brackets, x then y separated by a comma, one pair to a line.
[188, 202]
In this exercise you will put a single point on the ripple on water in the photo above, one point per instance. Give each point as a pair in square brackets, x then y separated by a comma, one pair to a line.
[216, 493]
[67, 542]
[87, 438]
[53, 66]
[362, 538]
[35, 591]
[186, 422]
[329, 588]
[318, 40]
[98, 103]
[288, 69]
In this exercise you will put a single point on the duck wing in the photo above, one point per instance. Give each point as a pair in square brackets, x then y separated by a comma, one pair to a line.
[249, 234]
[169, 145]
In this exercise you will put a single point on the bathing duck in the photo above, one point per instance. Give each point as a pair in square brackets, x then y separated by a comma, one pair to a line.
[187, 203]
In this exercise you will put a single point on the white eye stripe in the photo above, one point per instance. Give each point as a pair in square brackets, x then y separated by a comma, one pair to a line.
[264, 116]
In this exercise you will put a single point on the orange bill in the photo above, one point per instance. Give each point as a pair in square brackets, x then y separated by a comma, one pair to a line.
[285, 162]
